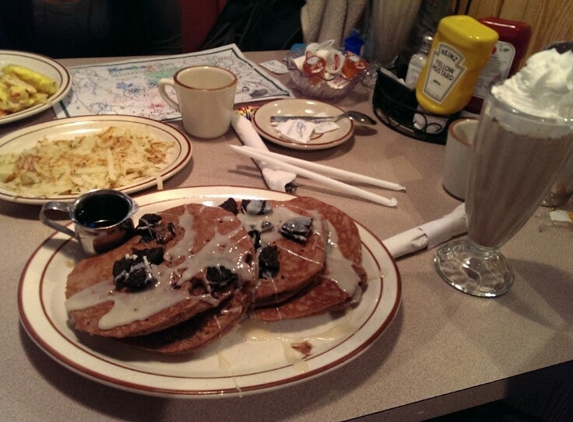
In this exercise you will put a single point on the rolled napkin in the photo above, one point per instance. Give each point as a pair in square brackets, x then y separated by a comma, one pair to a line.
[275, 179]
[429, 234]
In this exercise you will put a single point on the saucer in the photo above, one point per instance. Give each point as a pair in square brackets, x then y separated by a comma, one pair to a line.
[299, 107]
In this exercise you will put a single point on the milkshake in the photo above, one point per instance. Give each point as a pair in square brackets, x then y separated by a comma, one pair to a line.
[524, 135]
[511, 172]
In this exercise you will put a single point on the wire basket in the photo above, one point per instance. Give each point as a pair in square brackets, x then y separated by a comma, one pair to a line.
[396, 106]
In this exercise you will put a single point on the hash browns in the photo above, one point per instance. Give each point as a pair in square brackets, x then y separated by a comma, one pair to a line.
[108, 160]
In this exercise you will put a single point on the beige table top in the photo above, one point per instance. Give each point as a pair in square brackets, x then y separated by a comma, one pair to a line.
[444, 351]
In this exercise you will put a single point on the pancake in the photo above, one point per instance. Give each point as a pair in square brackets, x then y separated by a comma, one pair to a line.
[343, 278]
[291, 248]
[198, 332]
[348, 240]
[193, 272]
[207, 257]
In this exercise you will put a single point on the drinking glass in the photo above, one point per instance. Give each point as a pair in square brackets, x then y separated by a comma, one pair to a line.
[516, 158]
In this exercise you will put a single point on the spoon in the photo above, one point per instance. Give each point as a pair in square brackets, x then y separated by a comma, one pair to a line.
[358, 117]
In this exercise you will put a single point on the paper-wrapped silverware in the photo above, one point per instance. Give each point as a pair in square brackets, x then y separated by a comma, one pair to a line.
[276, 179]
[428, 235]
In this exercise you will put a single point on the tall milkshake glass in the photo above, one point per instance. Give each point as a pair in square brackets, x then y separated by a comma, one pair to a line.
[516, 158]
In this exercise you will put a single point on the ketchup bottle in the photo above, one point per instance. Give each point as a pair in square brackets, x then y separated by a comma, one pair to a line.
[505, 59]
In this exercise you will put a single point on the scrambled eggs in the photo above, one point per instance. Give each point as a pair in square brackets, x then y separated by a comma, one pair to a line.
[21, 88]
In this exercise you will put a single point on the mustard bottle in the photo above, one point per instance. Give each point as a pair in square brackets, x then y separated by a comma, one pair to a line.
[461, 48]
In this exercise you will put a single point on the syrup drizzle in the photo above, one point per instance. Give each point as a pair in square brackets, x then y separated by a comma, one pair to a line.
[222, 249]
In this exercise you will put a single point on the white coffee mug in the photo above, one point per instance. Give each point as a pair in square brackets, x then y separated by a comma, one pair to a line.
[458, 156]
[205, 99]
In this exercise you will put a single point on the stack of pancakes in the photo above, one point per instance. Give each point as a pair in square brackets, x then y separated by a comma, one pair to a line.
[193, 272]
[330, 280]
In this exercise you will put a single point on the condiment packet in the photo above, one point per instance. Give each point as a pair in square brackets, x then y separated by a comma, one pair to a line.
[325, 127]
[562, 216]
[275, 66]
[299, 131]
[557, 219]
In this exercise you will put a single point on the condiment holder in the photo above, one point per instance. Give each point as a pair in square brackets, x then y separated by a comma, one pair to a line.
[396, 106]
[327, 73]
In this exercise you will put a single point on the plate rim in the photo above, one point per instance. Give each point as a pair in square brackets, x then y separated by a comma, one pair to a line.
[194, 193]
[294, 145]
[170, 169]
[62, 91]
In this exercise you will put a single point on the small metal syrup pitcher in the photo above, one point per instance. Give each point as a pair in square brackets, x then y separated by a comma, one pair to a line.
[102, 219]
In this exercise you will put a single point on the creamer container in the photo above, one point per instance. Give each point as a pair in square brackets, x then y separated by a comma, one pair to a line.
[505, 59]
[460, 50]
[418, 61]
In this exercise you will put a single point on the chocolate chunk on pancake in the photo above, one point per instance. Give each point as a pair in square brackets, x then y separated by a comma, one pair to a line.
[197, 241]
[348, 238]
[291, 247]
[341, 282]
[198, 332]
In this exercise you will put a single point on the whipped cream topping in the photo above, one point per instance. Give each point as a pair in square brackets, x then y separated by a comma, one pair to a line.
[544, 87]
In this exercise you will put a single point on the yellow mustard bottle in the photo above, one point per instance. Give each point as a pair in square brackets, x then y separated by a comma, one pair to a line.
[461, 48]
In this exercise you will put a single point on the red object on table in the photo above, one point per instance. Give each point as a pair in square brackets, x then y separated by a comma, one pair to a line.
[511, 47]
[197, 19]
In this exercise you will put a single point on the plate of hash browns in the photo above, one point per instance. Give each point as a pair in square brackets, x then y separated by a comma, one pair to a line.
[61, 159]
[204, 324]
[29, 84]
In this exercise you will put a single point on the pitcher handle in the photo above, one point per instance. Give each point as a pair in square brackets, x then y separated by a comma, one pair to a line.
[60, 207]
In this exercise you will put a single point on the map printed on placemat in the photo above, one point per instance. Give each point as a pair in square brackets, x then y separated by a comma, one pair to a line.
[130, 87]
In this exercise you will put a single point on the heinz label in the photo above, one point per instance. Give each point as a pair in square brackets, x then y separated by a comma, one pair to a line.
[444, 71]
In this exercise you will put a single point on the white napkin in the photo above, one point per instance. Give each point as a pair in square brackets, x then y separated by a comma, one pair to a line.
[274, 178]
[429, 234]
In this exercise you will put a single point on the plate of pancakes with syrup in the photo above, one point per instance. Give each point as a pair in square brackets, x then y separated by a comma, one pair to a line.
[221, 290]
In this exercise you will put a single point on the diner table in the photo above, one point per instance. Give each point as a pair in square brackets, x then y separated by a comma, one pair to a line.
[444, 351]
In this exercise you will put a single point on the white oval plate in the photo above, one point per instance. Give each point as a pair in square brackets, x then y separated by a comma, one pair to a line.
[238, 364]
[71, 127]
[44, 65]
[297, 107]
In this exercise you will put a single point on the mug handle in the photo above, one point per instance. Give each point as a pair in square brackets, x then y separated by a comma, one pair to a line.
[163, 82]
[56, 206]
